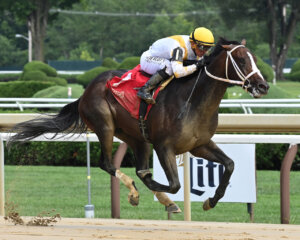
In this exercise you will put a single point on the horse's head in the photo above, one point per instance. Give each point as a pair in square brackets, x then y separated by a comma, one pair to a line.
[241, 64]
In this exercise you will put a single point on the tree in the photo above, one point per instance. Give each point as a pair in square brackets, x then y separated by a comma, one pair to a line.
[35, 13]
[280, 17]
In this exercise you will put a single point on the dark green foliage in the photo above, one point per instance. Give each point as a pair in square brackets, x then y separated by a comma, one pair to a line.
[110, 63]
[59, 154]
[265, 69]
[129, 63]
[40, 66]
[270, 156]
[22, 88]
[296, 67]
[34, 75]
[295, 72]
[90, 75]
[41, 76]
[57, 81]
[40, 71]
[9, 77]
[293, 76]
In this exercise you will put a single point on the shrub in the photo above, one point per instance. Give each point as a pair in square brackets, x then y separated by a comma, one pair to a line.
[34, 75]
[40, 71]
[59, 154]
[270, 156]
[60, 92]
[41, 76]
[40, 66]
[9, 77]
[22, 88]
[110, 63]
[90, 75]
[58, 81]
[129, 63]
[265, 69]
[296, 67]
[293, 76]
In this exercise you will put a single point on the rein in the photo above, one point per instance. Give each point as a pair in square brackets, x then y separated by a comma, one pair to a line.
[188, 102]
[238, 71]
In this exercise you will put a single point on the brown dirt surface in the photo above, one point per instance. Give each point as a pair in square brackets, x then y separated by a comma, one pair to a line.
[81, 228]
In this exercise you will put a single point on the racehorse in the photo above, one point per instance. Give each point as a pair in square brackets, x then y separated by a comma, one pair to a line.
[184, 119]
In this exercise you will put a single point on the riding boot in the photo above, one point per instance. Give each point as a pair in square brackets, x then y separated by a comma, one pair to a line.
[144, 92]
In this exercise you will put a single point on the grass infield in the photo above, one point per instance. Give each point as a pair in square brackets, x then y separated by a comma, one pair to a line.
[36, 189]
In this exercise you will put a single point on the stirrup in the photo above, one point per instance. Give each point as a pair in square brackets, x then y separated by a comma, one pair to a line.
[145, 96]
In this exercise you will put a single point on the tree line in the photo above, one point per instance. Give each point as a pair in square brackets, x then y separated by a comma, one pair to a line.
[91, 29]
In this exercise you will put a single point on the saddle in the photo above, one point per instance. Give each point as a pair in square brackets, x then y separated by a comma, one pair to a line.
[125, 88]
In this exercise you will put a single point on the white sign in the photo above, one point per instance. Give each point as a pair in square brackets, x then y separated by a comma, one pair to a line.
[205, 175]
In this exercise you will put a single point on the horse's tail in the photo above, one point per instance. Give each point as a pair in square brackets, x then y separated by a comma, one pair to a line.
[66, 121]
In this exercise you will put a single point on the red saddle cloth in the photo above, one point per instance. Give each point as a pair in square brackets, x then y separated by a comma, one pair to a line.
[125, 89]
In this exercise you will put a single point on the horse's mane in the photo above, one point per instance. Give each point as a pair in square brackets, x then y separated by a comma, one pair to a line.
[218, 48]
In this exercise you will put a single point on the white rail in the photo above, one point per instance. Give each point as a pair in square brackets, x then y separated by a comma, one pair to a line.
[22, 103]
[245, 104]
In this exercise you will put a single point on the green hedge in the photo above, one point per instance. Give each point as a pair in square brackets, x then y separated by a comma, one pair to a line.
[59, 154]
[129, 63]
[9, 77]
[40, 66]
[22, 88]
[60, 92]
[270, 156]
[265, 69]
[296, 66]
[41, 76]
[40, 71]
[90, 75]
[294, 75]
[110, 63]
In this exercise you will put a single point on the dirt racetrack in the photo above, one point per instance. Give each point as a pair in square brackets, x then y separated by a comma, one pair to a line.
[85, 229]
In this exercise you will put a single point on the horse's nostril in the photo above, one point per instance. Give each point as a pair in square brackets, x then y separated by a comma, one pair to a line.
[263, 87]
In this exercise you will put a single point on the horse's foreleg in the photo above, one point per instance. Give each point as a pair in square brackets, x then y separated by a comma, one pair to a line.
[142, 153]
[213, 153]
[168, 162]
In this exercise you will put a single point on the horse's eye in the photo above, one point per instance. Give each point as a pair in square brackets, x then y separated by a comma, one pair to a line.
[242, 62]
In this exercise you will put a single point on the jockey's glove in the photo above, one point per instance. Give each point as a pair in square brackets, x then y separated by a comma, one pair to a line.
[200, 64]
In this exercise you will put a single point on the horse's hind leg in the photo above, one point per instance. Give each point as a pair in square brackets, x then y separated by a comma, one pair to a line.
[142, 153]
[213, 153]
[101, 122]
[107, 165]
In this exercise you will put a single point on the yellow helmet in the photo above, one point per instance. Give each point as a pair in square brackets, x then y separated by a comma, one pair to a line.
[202, 36]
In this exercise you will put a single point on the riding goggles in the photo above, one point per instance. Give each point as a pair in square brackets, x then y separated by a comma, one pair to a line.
[203, 47]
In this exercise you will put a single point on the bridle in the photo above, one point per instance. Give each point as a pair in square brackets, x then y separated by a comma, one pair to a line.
[245, 79]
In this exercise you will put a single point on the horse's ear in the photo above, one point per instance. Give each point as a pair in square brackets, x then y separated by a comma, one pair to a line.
[243, 42]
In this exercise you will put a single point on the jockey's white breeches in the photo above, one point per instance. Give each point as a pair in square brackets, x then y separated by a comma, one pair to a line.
[151, 64]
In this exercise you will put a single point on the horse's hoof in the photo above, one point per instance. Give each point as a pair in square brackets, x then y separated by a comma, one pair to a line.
[206, 205]
[133, 199]
[173, 208]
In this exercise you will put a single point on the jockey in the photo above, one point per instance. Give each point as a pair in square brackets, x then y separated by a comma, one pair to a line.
[165, 58]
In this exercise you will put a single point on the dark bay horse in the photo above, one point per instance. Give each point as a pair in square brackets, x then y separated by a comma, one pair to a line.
[97, 109]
